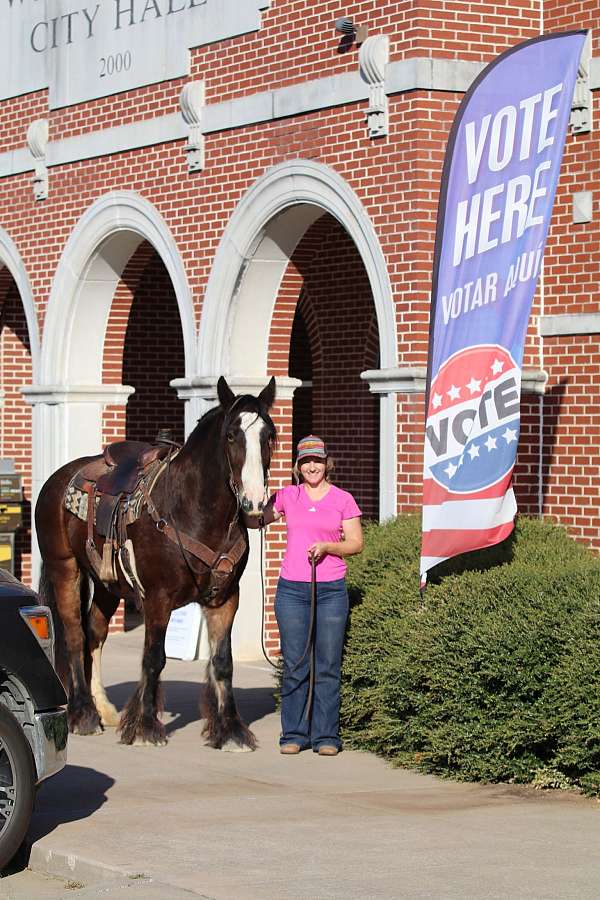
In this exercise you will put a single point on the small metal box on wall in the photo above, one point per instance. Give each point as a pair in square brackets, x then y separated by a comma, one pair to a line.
[11, 511]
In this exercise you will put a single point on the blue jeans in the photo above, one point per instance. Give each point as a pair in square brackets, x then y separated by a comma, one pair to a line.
[292, 609]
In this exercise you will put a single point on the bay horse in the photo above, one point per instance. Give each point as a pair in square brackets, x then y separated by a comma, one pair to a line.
[211, 484]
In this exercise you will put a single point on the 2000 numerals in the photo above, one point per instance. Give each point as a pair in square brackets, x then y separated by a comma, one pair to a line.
[115, 63]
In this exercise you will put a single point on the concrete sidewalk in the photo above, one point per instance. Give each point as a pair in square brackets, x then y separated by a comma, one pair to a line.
[244, 826]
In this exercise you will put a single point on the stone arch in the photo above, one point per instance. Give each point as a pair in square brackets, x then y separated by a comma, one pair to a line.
[88, 272]
[69, 397]
[254, 253]
[249, 266]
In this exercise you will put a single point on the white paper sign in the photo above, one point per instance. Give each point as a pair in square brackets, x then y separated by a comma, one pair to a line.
[183, 632]
[83, 49]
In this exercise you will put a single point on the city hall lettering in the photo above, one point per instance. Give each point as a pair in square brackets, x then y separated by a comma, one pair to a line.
[49, 34]
[91, 49]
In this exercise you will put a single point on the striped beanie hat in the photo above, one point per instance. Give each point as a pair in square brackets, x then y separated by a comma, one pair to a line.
[311, 446]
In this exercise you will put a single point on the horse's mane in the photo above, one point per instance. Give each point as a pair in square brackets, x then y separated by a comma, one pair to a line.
[243, 403]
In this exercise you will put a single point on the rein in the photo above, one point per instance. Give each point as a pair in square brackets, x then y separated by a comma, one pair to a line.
[220, 564]
[262, 585]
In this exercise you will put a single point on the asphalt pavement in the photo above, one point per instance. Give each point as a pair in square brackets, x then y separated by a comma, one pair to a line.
[186, 820]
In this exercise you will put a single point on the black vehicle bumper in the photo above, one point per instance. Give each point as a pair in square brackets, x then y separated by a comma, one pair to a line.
[49, 743]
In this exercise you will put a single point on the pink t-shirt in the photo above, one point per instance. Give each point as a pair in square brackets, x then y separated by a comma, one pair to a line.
[308, 521]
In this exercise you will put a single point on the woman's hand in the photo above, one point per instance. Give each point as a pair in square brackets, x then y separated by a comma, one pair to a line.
[351, 542]
[269, 515]
[318, 550]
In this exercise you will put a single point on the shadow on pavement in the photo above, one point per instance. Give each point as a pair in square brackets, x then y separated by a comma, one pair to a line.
[182, 700]
[73, 794]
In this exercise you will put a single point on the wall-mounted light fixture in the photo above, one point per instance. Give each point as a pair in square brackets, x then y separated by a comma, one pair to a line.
[344, 25]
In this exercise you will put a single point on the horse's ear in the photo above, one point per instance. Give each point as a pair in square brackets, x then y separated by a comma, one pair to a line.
[224, 393]
[267, 395]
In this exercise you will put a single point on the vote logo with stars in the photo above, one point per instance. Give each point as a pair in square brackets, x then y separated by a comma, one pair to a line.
[472, 428]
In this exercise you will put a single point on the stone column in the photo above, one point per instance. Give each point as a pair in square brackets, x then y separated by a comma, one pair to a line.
[388, 383]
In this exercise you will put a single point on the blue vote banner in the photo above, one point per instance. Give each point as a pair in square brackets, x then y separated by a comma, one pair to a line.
[498, 185]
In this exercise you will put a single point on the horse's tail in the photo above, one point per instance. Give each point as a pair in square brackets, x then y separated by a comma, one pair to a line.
[47, 597]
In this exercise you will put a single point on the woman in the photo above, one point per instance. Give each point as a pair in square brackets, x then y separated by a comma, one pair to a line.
[323, 523]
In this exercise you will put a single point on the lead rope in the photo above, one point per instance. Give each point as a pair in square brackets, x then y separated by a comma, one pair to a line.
[262, 584]
[310, 643]
[311, 636]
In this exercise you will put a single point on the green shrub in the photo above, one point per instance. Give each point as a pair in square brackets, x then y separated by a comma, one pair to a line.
[495, 676]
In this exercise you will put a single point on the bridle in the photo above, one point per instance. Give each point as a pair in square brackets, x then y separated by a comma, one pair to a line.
[220, 564]
[234, 486]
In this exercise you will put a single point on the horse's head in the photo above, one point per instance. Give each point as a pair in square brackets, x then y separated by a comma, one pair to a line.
[249, 436]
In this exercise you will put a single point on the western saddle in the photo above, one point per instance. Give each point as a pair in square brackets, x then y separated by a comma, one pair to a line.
[118, 485]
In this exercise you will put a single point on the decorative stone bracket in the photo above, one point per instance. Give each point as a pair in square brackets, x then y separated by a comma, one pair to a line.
[581, 108]
[191, 102]
[55, 394]
[37, 141]
[200, 391]
[373, 58]
[402, 380]
[413, 380]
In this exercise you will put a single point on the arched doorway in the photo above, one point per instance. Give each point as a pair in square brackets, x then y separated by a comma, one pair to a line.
[144, 349]
[248, 315]
[333, 339]
[104, 276]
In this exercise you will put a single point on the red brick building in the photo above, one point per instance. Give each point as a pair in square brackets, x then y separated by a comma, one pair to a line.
[191, 188]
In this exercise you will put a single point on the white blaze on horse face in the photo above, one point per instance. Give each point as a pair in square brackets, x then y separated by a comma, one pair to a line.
[253, 476]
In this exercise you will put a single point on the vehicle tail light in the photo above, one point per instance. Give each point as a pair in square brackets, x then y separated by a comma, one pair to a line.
[39, 619]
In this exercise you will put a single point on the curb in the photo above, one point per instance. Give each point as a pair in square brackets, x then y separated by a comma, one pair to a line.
[91, 872]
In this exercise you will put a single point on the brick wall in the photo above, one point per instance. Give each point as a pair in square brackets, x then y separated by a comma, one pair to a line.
[571, 461]
[297, 41]
[571, 426]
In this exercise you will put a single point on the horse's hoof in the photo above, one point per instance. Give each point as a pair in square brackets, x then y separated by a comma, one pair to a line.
[233, 747]
[85, 723]
[145, 742]
[86, 730]
[144, 737]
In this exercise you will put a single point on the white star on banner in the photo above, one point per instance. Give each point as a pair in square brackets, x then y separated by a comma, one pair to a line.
[437, 401]
[491, 443]
[450, 470]
[473, 451]
[510, 435]
[474, 386]
[454, 392]
[497, 367]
